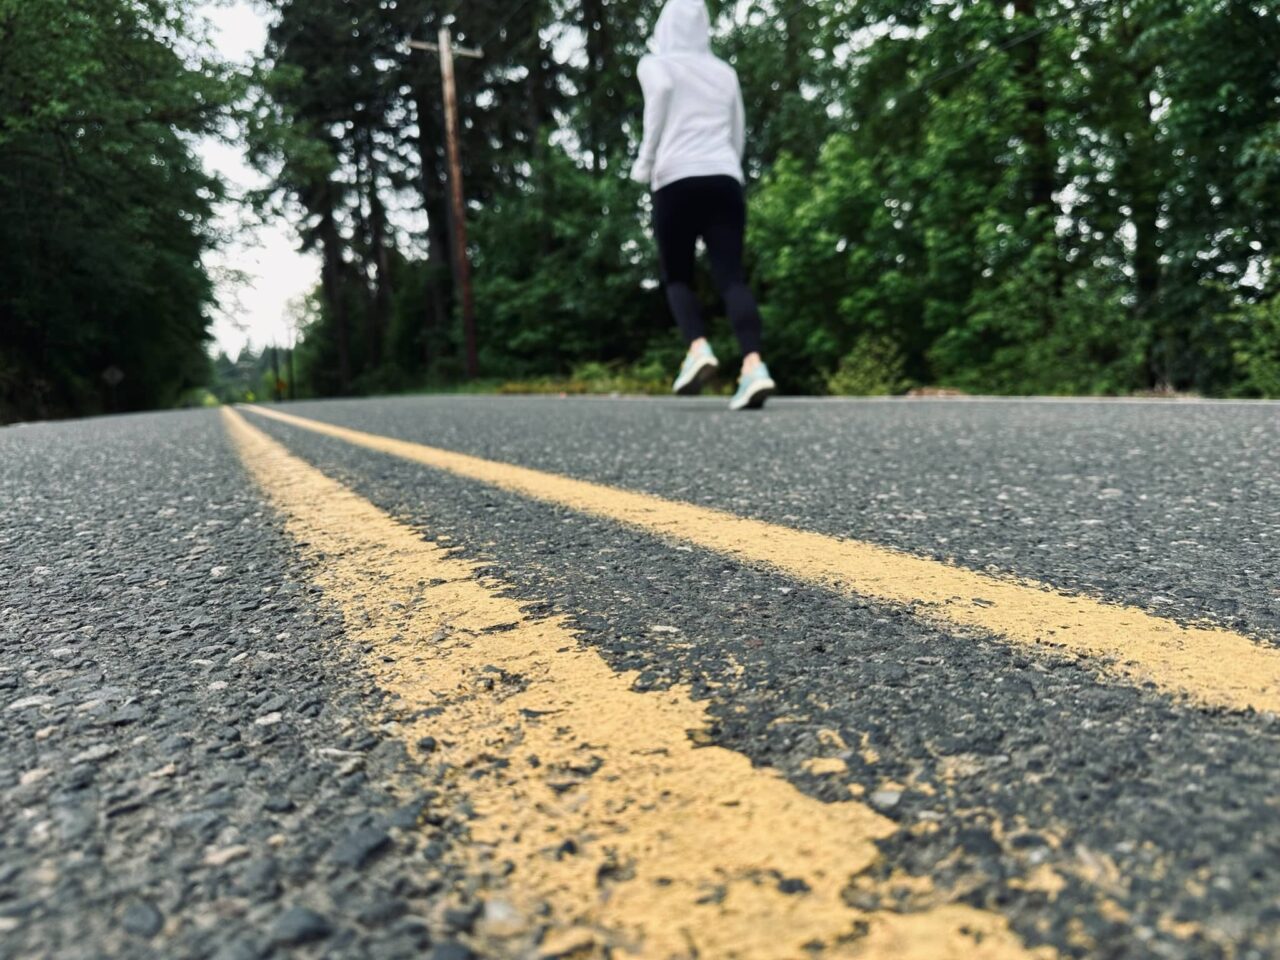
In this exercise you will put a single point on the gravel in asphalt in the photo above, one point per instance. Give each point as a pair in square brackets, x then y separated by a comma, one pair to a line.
[1158, 818]
[191, 760]
[196, 762]
[1174, 507]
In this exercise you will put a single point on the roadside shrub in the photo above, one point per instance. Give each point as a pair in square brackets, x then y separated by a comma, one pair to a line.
[873, 368]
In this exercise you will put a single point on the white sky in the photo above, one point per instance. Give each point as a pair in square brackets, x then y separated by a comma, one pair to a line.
[254, 309]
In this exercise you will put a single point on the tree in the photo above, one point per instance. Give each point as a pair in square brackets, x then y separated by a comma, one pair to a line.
[104, 211]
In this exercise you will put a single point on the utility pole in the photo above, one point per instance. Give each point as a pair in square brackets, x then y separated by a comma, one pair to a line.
[461, 260]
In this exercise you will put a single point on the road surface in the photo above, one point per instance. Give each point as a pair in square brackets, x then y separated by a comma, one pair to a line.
[493, 677]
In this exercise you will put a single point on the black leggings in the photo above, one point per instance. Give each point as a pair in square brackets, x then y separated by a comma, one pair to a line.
[714, 209]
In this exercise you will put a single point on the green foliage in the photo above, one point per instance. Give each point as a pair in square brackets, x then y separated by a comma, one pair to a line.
[561, 273]
[1039, 197]
[1253, 332]
[1258, 351]
[1062, 208]
[104, 211]
[645, 377]
[873, 368]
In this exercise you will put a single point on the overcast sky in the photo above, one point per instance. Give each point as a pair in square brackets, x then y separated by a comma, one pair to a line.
[253, 311]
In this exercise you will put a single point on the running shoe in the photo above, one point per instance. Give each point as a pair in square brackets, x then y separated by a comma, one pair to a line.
[754, 389]
[698, 367]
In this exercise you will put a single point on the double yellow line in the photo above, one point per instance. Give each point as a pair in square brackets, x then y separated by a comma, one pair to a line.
[594, 798]
[1210, 665]
[598, 818]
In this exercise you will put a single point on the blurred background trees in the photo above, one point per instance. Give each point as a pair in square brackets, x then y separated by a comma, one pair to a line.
[1033, 196]
[1049, 196]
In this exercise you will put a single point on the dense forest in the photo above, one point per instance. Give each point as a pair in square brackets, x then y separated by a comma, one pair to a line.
[1028, 196]
[104, 210]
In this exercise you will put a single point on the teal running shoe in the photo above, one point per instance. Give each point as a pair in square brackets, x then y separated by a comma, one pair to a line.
[698, 367]
[754, 389]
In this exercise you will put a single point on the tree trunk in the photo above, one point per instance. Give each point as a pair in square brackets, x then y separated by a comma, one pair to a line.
[539, 118]
[1140, 181]
[1144, 203]
[375, 229]
[1146, 214]
[430, 136]
[331, 279]
[382, 294]
[1035, 132]
[1040, 173]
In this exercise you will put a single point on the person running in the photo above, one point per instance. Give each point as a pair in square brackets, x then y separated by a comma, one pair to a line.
[691, 157]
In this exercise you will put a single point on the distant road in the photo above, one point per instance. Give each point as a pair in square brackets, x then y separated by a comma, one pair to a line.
[504, 677]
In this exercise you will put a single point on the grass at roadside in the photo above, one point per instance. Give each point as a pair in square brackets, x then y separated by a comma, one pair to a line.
[645, 379]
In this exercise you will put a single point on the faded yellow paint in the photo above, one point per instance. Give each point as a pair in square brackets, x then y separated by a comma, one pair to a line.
[870, 756]
[1111, 911]
[786, 720]
[1041, 879]
[824, 766]
[960, 766]
[638, 841]
[1182, 929]
[831, 739]
[1213, 666]
[1098, 870]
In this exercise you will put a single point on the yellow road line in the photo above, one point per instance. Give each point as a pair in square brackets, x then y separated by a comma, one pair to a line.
[639, 842]
[1214, 666]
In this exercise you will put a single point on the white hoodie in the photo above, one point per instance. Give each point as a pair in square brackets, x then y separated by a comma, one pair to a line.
[694, 124]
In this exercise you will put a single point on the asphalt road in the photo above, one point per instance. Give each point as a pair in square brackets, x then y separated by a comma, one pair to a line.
[205, 750]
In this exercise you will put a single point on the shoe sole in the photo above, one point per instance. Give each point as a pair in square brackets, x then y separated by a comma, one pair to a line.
[696, 382]
[756, 398]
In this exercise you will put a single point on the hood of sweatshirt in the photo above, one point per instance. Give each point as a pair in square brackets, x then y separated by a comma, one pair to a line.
[684, 26]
